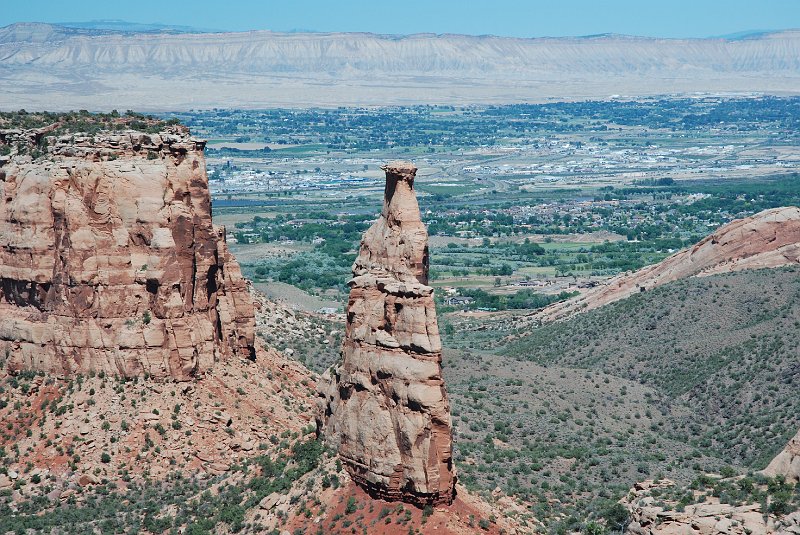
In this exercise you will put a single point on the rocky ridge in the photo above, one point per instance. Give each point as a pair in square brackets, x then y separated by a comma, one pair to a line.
[386, 408]
[109, 260]
[768, 239]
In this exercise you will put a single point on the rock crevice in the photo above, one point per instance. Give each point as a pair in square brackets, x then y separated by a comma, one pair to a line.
[386, 407]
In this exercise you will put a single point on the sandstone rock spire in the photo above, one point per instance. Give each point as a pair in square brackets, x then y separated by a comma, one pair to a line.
[386, 407]
[109, 260]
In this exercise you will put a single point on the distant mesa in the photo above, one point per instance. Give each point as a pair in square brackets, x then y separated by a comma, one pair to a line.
[386, 408]
[151, 67]
[123, 26]
[109, 260]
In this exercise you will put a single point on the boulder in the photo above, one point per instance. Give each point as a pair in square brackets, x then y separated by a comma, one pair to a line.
[88, 479]
[272, 500]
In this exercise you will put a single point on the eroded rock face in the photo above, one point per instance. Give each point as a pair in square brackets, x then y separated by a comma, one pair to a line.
[787, 462]
[386, 407]
[109, 260]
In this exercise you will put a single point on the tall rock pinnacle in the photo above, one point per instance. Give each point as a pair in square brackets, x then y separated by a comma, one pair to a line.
[386, 407]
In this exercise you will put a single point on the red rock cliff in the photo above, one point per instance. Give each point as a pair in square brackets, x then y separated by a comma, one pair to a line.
[768, 239]
[386, 408]
[109, 260]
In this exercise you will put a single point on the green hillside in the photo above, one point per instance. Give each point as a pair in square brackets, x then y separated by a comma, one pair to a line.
[725, 346]
[697, 376]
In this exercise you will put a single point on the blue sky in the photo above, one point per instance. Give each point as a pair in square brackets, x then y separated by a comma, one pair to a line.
[520, 18]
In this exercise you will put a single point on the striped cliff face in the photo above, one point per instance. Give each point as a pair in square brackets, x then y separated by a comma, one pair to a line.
[109, 260]
[386, 408]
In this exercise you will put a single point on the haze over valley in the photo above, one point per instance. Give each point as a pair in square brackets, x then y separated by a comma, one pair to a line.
[45, 66]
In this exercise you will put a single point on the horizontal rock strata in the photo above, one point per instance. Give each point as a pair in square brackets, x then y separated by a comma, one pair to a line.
[386, 408]
[109, 260]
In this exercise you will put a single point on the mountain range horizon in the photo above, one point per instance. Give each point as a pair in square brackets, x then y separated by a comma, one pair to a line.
[45, 66]
[396, 279]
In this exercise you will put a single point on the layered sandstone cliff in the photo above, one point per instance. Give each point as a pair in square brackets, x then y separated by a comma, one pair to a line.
[768, 239]
[386, 408]
[109, 260]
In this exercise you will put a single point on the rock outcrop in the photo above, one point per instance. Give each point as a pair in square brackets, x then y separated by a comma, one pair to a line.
[386, 408]
[768, 239]
[787, 462]
[651, 514]
[109, 260]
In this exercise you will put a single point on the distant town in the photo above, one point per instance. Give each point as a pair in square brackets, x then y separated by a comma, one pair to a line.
[547, 196]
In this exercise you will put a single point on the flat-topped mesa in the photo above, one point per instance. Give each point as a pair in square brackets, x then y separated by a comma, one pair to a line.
[109, 260]
[386, 407]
